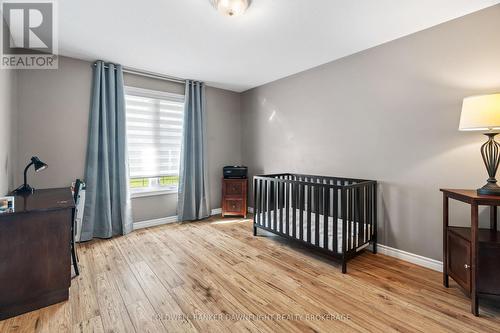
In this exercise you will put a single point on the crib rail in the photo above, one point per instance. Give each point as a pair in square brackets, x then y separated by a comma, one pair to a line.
[315, 209]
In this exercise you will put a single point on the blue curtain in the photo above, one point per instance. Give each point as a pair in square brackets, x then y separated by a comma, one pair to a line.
[193, 186]
[107, 211]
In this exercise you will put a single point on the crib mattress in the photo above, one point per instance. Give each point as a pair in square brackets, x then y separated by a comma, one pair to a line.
[271, 224]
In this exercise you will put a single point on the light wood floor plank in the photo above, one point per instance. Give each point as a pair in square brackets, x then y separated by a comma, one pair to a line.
[92, 325]
[114, 314]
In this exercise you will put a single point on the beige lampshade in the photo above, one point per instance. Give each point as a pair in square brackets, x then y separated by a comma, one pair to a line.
[480, 113]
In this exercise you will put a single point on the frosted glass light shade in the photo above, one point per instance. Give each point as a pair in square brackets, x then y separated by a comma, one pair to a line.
[231, 7]
[480, 113]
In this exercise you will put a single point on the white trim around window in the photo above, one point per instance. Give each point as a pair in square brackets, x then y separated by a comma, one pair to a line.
[149, 192]
[140, 92]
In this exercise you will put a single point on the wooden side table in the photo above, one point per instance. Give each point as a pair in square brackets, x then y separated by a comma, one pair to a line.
[471, 256]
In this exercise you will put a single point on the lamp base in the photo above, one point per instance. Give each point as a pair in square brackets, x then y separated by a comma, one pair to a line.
[489, 189]
[24, 189]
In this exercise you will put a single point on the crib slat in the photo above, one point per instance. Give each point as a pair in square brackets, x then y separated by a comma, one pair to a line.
[266, 203]
[270, 210]
[263, 202]
[367, 208]
[351, 219]
[348, 217]
[300, 194]
[255, 202]
[326, 206]
[280, 203]
[259, 199]
[261, 206]
[294, 209]
[270, 203]
[343, 213]
[363, 195]
[309, 204]
[363, 212]
[372, 210]
[287, 206]
[275, 204]
[318, 195]
[357, 218]
[374, 218]
[335, 217]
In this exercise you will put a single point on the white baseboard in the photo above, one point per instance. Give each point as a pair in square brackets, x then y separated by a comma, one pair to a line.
[155, 222]
[216, 211]
[410, 257]
[166, 220]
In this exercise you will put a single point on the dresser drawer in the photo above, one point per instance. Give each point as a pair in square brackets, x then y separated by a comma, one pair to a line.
[234, 188]
[459, 260]
[234, 205]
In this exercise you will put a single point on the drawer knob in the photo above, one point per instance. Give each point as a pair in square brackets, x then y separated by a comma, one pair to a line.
[466, 266]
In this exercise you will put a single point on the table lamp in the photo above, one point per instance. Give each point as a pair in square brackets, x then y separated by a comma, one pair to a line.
[482, 113]
[39, 166]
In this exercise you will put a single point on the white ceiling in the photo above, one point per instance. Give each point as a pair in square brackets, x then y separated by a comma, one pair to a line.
[274, 39]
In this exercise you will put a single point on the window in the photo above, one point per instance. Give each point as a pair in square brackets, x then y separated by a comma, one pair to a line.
[154, 134]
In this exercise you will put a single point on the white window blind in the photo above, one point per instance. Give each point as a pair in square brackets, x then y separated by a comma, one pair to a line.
[154, 132]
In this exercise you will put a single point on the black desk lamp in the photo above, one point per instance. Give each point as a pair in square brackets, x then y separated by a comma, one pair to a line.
[39, 166]
[482, 113]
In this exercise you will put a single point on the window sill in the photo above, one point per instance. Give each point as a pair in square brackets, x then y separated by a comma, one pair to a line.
[151, 193]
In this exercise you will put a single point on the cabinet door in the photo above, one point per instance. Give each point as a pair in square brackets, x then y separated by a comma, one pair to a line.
[459, 259]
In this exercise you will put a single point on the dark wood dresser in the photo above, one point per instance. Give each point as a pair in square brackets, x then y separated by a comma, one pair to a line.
[35, 266]
[471, 256]
[234, 197]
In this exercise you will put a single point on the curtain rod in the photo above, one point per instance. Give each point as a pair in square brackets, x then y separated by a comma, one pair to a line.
[149, 74]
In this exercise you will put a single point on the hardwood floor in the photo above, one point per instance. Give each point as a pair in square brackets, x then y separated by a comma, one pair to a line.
[183, 277]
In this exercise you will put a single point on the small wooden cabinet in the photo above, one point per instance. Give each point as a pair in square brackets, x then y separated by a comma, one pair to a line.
[234, 197]
[471, 255]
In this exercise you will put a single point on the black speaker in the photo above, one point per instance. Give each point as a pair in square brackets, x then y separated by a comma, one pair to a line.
[235, 172]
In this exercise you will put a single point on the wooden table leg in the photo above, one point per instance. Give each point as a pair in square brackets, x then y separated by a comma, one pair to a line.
[474, 259]
[493, 218]
[445, 241]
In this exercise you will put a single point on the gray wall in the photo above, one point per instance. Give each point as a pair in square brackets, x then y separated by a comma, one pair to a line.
[389, 113]
[53, 117]
[7, 129]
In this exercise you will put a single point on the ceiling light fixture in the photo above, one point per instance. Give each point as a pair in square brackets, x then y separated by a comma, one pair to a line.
[231, 7]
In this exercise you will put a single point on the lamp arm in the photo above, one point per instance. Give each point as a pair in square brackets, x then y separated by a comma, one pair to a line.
[25, 172]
